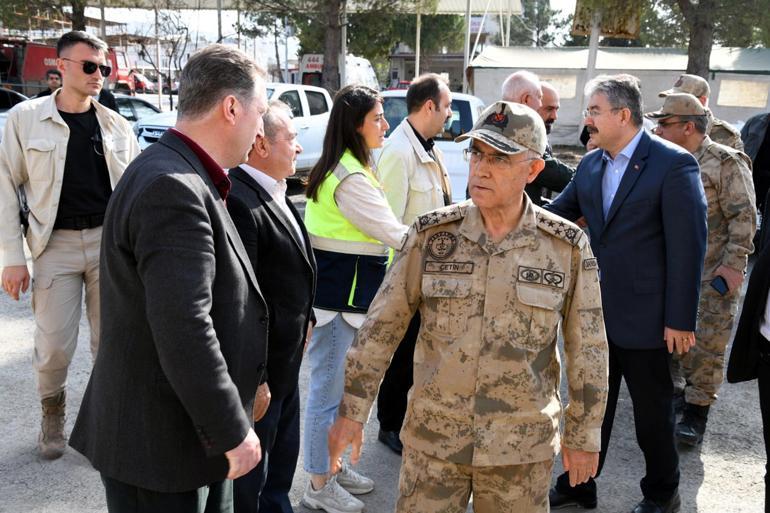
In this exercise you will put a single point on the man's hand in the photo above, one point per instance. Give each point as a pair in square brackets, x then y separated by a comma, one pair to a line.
[244, 457]
[733, 277]
[581, 465]
[343, 433]
[15, 278]
[682, 341]
[261, 402]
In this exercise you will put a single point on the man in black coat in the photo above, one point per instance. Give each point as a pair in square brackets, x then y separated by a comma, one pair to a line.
[750, 355]
[166, 417]
[279, 249]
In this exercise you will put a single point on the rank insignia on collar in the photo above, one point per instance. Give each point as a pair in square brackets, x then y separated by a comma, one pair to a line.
[442, 245]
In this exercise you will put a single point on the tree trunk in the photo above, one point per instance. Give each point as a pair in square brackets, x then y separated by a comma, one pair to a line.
[332, 46]
[700, 20]
[277, 53]
[78, 14]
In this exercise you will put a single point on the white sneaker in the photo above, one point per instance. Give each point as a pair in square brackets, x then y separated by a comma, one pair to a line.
[332, 498]
[354, 482]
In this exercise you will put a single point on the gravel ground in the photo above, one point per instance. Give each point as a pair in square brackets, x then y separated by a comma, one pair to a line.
[723, 476]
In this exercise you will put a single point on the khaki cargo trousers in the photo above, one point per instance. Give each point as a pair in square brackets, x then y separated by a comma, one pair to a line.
[700, 371]
[430, 485]
[69, 262]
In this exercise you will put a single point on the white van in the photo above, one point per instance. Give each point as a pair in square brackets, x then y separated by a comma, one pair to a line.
[357, 71]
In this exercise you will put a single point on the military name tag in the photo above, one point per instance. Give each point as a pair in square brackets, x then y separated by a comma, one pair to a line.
[449, 267]
[590, 264]
[541, 276]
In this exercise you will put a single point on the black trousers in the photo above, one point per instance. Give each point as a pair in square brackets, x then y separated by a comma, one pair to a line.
[126, 498]
[266, 488]
[648, 378]
[391, 400]
[764, 404]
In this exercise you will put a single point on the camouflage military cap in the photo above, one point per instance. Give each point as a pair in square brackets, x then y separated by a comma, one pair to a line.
[678, 104]
[509, 128]
[692, 84]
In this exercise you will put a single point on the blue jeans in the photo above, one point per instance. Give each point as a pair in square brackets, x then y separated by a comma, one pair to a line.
[326, 354]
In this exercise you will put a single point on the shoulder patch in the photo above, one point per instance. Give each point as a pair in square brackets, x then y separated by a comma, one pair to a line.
[439, 216]
[722, 151]
[590, 263]
[560, 228]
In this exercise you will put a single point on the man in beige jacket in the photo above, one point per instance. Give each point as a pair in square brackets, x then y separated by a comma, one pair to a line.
[412, 173]
[66, 152]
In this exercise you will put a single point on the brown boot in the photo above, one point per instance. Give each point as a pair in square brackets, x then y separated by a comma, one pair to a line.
[52, 442]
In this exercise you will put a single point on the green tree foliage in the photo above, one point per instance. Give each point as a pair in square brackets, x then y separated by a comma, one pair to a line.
[372, 34]
[696, 25]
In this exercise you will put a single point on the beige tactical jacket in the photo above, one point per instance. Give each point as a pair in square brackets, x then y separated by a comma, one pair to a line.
[32, 154]
[486, 365]
[732, 212]
[723, 132]
[413, 181]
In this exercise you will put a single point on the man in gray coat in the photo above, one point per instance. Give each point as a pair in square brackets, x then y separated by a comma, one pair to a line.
[166, 417]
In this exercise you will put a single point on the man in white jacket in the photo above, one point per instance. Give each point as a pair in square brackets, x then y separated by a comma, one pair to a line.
[412, 173]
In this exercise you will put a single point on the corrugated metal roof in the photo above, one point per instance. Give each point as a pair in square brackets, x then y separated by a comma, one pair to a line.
[443, 6]
[742, 60]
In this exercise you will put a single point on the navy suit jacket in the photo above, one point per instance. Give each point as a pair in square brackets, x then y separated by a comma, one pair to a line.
[651, 246]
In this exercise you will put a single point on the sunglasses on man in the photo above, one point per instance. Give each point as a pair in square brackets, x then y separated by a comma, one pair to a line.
[90, 67]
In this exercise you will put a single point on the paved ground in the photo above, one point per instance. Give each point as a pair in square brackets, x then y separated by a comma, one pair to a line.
[724, 476]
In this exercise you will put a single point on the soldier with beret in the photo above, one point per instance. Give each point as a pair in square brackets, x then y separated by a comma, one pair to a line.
[732, 221]
[718, 130]
[492, 279]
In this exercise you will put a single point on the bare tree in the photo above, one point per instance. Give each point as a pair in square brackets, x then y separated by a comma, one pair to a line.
[174, 36]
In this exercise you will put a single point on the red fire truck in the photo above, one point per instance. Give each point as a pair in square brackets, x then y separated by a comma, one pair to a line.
[23, 65]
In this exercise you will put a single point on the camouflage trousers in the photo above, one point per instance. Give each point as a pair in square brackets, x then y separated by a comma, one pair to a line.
[431, 485]
[700, 372]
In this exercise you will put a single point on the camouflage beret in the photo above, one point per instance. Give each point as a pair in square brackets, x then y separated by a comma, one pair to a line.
[678, 104]
[692, 84]
[509, 128]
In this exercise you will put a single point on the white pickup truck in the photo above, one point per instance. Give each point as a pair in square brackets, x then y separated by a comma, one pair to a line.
[309, 105]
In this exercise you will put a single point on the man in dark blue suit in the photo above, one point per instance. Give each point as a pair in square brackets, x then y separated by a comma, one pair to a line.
[644, 205]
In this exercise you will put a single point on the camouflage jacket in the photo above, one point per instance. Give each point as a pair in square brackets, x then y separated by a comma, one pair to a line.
[723, 132]
[486, 364]
[732, 212]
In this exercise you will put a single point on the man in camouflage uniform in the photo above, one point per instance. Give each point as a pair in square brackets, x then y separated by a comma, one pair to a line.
[492, 279]
[726, 177]
[719, 131]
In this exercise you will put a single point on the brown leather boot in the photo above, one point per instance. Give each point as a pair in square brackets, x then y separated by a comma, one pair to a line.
[52, 441]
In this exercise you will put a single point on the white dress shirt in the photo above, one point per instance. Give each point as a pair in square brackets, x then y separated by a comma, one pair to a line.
[277, 190]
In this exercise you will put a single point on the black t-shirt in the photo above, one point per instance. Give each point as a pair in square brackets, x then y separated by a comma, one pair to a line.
[86, 185]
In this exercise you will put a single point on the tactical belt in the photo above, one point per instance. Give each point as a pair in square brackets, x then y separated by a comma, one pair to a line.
[78, 222]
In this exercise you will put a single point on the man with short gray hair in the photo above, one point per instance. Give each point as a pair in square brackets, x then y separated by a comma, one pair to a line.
[719, 131]
[493, 279]
[732, 214]
[166, 417]
[523, 87]
[279, 250]
[645, 209]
